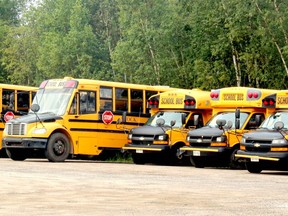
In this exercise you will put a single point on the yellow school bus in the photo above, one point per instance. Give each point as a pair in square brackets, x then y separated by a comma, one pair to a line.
[267, 147]
[78, 117]
[236, 110]
[16, 100]
[175, 112]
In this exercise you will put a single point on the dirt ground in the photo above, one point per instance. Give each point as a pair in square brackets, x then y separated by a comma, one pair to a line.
[38, 187]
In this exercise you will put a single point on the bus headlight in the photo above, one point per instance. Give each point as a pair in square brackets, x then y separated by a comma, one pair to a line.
[39, 131]
[221, 139]
[161, 137]
[243, 140]
[130, 136]
[279, 141]
[187, 138]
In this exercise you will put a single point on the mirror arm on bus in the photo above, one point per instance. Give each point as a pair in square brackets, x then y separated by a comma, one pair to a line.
[35, 108]
[279, 126]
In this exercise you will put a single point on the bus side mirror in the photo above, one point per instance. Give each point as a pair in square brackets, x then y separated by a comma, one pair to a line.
[124, 114]
[237, 113]
[196, 120]
[35, 108]
[258, 120]
[160, 122]
[279, 125]
[237, 123]
[221, 123]
[172, 123]
[183, 118]
[229, 124]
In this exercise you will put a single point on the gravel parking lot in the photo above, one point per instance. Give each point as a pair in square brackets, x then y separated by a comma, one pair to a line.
[38, 187]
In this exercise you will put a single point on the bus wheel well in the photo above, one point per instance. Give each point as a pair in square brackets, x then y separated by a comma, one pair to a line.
[178, 145]
[67, 135]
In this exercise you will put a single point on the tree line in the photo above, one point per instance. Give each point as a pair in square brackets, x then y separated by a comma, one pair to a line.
[181, 43]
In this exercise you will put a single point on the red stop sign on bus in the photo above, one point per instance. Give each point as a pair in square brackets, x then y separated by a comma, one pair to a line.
[8, 116]
[107, 117]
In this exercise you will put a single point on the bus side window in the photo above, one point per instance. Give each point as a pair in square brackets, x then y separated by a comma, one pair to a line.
[83, 102]
[253, 124]
[91, 102]
[105, 98]
[72, 109]
[121, 99]
[23, 101]
[136, 101]
[191, 122]
[87, 102]
[7, 99]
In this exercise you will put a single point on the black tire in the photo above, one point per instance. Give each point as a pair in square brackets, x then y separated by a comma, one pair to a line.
[139, 159]
[197, 162]
[253, 167]
[58, 148]
[233, 162]
[16, 154]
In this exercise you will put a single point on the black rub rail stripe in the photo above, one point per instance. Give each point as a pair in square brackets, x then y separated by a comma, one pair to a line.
[95, 130]
[100, 121]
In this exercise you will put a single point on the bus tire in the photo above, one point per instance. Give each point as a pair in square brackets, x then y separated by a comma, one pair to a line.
[253, 167]
[58, 148]
[138, 159]
[16, 154]
[233, 162]
[197, 162]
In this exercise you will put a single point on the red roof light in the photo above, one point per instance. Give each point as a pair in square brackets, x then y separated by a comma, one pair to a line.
[255, 95]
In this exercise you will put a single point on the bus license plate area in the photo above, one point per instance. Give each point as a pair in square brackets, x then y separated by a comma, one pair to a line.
[255, 160]
[139, 151]
[196, 153]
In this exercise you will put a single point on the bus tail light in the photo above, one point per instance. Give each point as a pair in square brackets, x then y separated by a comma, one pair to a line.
[153, 103]
[190, 102]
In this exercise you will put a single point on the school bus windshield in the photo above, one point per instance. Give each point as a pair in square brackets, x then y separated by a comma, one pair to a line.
[168, 116]
[53, 100]
[269, 122]
[229, 116]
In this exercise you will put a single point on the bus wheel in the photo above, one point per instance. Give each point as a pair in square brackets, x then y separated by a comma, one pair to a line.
[253, 167]
[138, 158]
[16, 154]
[233, 162]
[58, 148]
[197, 162]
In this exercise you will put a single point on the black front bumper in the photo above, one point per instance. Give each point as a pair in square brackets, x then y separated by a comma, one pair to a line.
[262, 156]
[133, 148]
[25, 143]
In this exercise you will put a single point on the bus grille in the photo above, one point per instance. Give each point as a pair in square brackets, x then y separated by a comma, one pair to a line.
[15, 129]
[200, 141]
[142, 140]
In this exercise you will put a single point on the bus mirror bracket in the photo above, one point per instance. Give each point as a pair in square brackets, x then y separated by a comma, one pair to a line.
[279, 126]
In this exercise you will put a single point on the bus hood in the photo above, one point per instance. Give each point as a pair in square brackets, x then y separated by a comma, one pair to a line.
[30, 118]
[149, 130]
[206, 131]
[262, 134]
